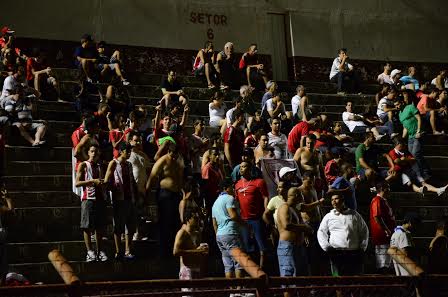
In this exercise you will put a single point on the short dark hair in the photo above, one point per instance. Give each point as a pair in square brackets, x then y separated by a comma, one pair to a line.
[308, 174]
[343, 49]
[381, 186]
[214, 150]
[412, 218]
[368, 135]
[90, 123]
[208, 43]
[101, 44]
[190, 213]
[311, 137]
[248, 152]
[398, 141]
[86, 37]
[348, 101]
[225, 183]
[198, 121]
[237, 114]
[124, 146]
[134, 133]
[431, 88]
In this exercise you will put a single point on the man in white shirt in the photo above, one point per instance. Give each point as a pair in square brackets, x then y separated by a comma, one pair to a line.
[277, 140]
[385, 77]
[386, 109]
[11, 83]
[273, 108]
[344, 235]
[402, 239]
[342, 73]
[355, 124]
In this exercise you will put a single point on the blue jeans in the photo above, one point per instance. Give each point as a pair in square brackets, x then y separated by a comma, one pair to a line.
[225, 244]
[254, 229]
[415, 148]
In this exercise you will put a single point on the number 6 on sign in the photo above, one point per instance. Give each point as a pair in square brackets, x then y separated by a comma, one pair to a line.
[210, 34]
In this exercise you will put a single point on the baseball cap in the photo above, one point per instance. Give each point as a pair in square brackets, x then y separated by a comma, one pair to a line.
[394, 72]
[285, 170]
[6, 30]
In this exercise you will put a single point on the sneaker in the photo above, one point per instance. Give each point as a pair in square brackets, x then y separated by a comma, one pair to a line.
[89, 80]
[102, 256]
[340, 93]
[393, 135]
[441, 191]
[379, 137]
[129, 256]
[91, 256]
[438, 132]
[125, 82]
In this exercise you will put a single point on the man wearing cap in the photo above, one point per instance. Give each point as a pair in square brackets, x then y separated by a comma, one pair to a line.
[246, 156]
[395, 77]
[86, 56]
[385, 77]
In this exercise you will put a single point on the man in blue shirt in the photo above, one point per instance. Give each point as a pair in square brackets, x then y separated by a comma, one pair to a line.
[343, 186]
[226, 222]
[409, 80]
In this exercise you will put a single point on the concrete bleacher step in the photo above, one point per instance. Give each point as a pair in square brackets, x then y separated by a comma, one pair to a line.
[28, 153]
[44, 113]
[72, 250]
[29, 198]
[38, 168]
[151, 268]
[38, 182]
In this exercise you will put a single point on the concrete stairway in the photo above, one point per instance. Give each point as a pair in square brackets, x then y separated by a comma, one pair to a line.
[47, 215]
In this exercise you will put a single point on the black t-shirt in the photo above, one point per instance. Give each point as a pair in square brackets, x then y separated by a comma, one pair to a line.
[173, 87]
[87, 53]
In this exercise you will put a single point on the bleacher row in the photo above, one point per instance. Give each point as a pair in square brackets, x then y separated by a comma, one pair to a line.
[48, 213]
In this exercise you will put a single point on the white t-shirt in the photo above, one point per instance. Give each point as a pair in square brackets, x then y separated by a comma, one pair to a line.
[279, 143]
[400, 239]
[271, 106]
[295, 103]
[351, 124]
[9, 85]
[445, 82]
[335, 67]
[385, 79]
[140, 166]
[216, 114]
[382, 104]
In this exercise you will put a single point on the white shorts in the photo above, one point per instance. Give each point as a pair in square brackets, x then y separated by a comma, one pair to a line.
[382, 258]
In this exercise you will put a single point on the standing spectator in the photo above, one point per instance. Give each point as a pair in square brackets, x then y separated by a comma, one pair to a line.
[263, 151]
[120, 174]
[212, 176]
[291, 234]
[169, 170]
[278, 140]
[300, 106]
[252, 194]
[189, 248]
[251, 68]
[355, 122]
[226, 65]
[110, 64]
[198, 144]
[382, 222]
[332, 168]
[141, 168]
[270, 213]
[343, 186]
[172, 90]
[384, 78]
[246, 156]
[227, 223]
[409, 80]
[204, 64]
[190, 193]
[402, 239]
[86, 57]
[344, 235]
[116, 136]
[93, 204]
[6, 206]
[343, 73]
[412, 123]
[234, 140]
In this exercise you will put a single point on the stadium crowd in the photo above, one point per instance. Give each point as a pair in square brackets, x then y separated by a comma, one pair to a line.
[270, 175]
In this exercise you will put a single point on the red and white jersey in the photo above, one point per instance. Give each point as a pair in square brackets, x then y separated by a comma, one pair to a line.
[93, 171]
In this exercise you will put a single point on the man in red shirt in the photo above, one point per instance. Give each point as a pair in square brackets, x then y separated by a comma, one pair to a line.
[382, 224]
[234, 140]
[407, 169]
[428, 110]
[296, 137]
[212, 175]
[252, 195]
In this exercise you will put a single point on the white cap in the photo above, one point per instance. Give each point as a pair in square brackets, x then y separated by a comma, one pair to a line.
[285, 170]
[394, 72]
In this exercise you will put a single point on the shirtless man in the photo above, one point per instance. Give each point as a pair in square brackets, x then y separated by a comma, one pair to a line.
[262, 150]
[310, 159]
[312, 217]
[187, 246]
[291, 229]
[169, 169]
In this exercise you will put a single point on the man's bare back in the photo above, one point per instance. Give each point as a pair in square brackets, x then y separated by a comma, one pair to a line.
[310, 196]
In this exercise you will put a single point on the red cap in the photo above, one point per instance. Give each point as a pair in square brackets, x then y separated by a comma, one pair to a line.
[6, 29]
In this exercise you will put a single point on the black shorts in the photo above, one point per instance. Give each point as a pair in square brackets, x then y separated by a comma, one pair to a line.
[124, 215]
[93, 214]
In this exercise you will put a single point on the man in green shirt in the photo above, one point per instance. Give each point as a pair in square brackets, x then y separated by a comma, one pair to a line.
[412, 123]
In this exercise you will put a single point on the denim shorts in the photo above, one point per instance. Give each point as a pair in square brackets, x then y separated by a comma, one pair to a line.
[285, 254]
[254, 229]
[225, 244]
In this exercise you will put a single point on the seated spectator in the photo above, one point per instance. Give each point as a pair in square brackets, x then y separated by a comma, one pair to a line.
[273, 108]
[40, 77]
[86, 57]
[409, 80]
[384, 89]
[247, 102]
[251, 141]
[257, 123]
[271, 92]
[343, 74]
[367, 159]
[332, 168]
[230, 114]
[441, 80]
[384, 78]
[172, 90]
[395, 75]
[300, 108]
[204, 64]
[428, 110]
[246, 156]
[226, 65]
[112, 64]
[407, 169]
[12, 83]
[386, 109]
[355, 123]
[344, 235]
[234, 140]
[277, 140]
[251, 68]
[217, 111]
